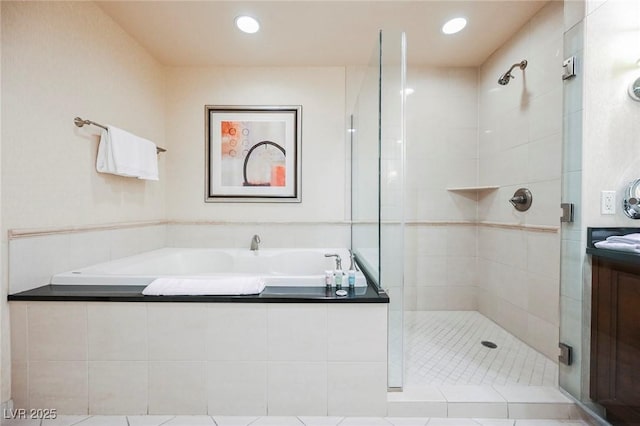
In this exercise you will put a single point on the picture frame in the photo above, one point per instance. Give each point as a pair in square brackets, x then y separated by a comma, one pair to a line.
[253, 153]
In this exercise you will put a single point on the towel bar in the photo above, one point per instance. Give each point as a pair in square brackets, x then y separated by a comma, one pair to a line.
[80, 122]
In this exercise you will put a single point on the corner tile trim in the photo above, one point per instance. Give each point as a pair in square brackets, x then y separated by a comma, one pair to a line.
[522, 227]
[14, 234]
[513, 226]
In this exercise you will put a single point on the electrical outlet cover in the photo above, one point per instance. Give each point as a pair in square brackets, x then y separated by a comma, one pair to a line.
[608, 202]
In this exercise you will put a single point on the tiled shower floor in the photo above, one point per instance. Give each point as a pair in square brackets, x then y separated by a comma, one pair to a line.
[443, 348]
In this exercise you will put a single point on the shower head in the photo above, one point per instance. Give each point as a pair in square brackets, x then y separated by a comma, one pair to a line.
[504, 78]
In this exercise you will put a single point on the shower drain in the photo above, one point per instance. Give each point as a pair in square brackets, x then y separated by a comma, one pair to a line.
[489, 344]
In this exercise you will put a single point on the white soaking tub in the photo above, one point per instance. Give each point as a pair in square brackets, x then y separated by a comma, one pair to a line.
[278, 267]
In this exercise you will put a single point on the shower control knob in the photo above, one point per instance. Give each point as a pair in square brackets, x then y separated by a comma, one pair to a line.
[521, 199]
[518, 200]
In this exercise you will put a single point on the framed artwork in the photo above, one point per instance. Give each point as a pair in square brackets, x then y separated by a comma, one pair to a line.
[253, 153]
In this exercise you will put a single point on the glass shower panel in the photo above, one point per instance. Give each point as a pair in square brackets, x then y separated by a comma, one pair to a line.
[575, 280]
[392, 162]
[365, 185]
[377, 179]
[572, 252]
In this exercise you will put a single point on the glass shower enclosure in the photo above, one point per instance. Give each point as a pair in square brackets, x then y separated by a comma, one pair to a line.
[377, 129]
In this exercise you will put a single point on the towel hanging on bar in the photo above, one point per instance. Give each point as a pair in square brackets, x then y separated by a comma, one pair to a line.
[80, 122]
[125, 154]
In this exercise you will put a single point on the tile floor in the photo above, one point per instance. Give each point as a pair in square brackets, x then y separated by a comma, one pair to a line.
[280, 421]
[443, 348]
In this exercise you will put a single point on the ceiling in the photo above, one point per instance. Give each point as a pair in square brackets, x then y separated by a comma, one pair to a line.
[317, 33]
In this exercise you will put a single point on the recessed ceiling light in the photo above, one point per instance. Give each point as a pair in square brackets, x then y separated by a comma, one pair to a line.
[247, 24]
[454, 25]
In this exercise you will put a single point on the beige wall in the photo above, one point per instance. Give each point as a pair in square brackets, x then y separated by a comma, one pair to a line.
[61, 60]
[520, 145]
[611, 125]
[606, 123]
[321, 92]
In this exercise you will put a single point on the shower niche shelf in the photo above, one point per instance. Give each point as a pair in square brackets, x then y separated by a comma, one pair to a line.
[478, 189]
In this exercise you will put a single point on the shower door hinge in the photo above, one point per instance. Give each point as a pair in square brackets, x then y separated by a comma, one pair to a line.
[567, 212]
[569, 68]
[566, 354]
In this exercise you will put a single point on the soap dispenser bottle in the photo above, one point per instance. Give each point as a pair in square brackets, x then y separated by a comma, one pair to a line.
[351, 276]
[338, 278]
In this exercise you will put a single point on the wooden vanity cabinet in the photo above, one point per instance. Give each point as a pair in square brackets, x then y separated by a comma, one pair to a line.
[615, 339]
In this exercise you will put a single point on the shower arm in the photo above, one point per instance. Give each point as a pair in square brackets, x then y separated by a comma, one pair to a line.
[522, 65]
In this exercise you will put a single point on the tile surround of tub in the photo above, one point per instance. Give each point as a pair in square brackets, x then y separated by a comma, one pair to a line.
[297, 387]
[245, 336]
[75, 249]
[355, 388]
[195, 375]
[60, 384]
[272, 235]
[68, 249]
[185, 322]
[117, 387]
[226, 380]
[177, 387]
[117, 332]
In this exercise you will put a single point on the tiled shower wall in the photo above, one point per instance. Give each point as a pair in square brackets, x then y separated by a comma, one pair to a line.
[520, 145]
[441, 153]
[472, 250]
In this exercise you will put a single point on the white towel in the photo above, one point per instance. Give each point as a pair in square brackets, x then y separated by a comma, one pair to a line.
[205, 286]
[124, 154]
[614, 245]
[628, 239]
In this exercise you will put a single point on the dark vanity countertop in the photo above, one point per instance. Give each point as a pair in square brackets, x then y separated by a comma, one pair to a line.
[115, 293]
[600, 234]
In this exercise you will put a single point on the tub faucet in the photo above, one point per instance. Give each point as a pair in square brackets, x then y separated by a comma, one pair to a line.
[354, 265]
[255, 243]
[338, 259]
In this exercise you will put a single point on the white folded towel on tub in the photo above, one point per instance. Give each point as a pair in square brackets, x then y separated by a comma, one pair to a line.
[205, 286]
[125, 154]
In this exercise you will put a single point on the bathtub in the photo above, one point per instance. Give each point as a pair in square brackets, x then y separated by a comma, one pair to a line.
[278, 267]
